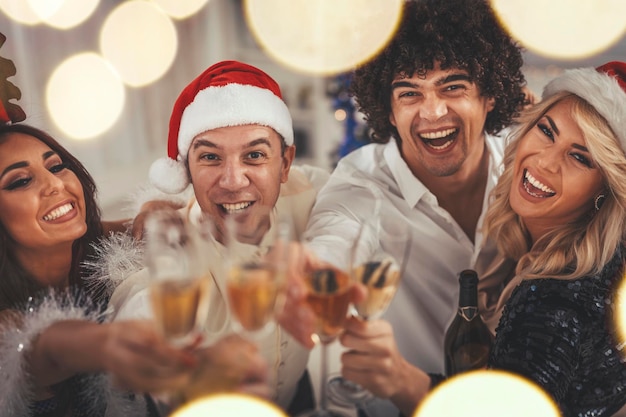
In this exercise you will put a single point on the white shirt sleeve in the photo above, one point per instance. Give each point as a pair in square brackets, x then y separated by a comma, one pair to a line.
[131, 299]
[334, 226]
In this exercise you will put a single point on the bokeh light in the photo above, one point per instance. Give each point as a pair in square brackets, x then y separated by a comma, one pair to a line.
[340, 115]
[323, 36]
[227, 405]
[620, 314]
[488, 393]
[564, 29]
[140, 40]
[20, 11]
[85, 96]
[45, 8]
[181, 9]
[63, 14]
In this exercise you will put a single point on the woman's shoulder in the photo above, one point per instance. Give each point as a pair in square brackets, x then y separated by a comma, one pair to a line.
[590, 294]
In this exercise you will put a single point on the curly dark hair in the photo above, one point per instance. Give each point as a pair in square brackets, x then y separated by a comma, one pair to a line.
[16, 286]
[462, 34]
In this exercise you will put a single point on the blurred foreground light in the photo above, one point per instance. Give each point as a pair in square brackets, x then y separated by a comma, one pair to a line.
[620, 315]
[63, 14]
[140, 40]
[564, 29]
[85, 96]
[227, 405]
[323, 37]
[181, 9]
[20, 11]
[488, 393]
[45, 8]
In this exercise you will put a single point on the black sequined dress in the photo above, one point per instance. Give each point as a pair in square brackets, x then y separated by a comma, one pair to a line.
[561, 334]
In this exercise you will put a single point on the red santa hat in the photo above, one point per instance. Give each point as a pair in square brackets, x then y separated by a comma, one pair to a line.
[604, 88]
[228, 93]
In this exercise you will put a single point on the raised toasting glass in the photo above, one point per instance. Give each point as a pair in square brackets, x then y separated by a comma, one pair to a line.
[256, 278]
[329, 297]
[179, 289]
[380, 271]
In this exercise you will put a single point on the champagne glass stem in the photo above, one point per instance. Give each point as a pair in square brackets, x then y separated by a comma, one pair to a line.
[323, 377]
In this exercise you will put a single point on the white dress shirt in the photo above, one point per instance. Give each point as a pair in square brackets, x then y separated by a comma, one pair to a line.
[427, 298]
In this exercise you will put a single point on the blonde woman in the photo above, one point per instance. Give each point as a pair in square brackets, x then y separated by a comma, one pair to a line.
[560, 212]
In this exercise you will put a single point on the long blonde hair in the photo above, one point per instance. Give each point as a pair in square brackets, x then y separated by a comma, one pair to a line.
[577, 248]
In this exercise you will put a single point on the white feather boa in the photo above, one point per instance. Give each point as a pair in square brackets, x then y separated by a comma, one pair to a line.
[116, 257]
[16, 388]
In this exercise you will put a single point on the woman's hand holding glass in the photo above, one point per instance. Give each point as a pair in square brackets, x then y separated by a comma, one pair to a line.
[139, 359]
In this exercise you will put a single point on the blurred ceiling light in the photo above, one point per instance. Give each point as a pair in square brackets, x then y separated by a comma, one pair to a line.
[181, 9]
[564, 29]
[340, 115]
[140, 40]
[63, 14]
[488, 393]
[322, 36]
[45, 8]
[226, 405]
[20, 11]
[85, 96]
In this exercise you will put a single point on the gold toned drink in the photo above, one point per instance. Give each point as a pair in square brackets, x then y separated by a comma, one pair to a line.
[377, 259]
[329, 298]
[180, 306]
[252, 291]
[381, 279]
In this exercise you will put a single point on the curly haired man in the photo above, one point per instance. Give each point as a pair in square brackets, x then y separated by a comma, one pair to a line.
[435, 98]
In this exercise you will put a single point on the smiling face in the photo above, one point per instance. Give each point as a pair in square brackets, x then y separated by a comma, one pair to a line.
[42, 203]
[238, 171]
[555, 179]
[440, 119]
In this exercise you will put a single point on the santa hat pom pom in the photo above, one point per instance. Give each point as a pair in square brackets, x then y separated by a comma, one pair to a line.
[168, 175]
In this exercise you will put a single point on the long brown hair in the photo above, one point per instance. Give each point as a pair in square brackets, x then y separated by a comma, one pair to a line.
[16, 285]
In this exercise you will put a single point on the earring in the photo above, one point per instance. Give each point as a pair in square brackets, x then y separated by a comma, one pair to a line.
[599, 200]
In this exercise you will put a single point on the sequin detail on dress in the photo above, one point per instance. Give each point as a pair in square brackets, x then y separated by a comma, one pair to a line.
[560, 334]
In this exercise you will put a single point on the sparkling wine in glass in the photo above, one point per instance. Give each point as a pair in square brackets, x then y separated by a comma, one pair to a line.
[256, 278]
[329, 297]
[380, 271]
[179, 288]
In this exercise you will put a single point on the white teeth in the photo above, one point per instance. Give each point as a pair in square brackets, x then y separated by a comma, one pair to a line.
[437, 135]
[535, 183]
[234, 208]
[444, 146]
[58, 212]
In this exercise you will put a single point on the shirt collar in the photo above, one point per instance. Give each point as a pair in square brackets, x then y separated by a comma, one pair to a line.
[410, 187]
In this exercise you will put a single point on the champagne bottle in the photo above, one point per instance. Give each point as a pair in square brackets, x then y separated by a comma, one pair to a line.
[468, 340]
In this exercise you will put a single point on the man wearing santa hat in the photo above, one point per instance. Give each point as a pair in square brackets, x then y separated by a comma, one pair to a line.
[231, 138]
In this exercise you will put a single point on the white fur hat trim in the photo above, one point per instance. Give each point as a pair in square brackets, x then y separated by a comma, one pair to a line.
[601, 91]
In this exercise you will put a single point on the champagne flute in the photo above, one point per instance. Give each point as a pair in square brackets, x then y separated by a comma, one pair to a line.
[256, 278]
[179, 289]
[381, 275]
[329, 298]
